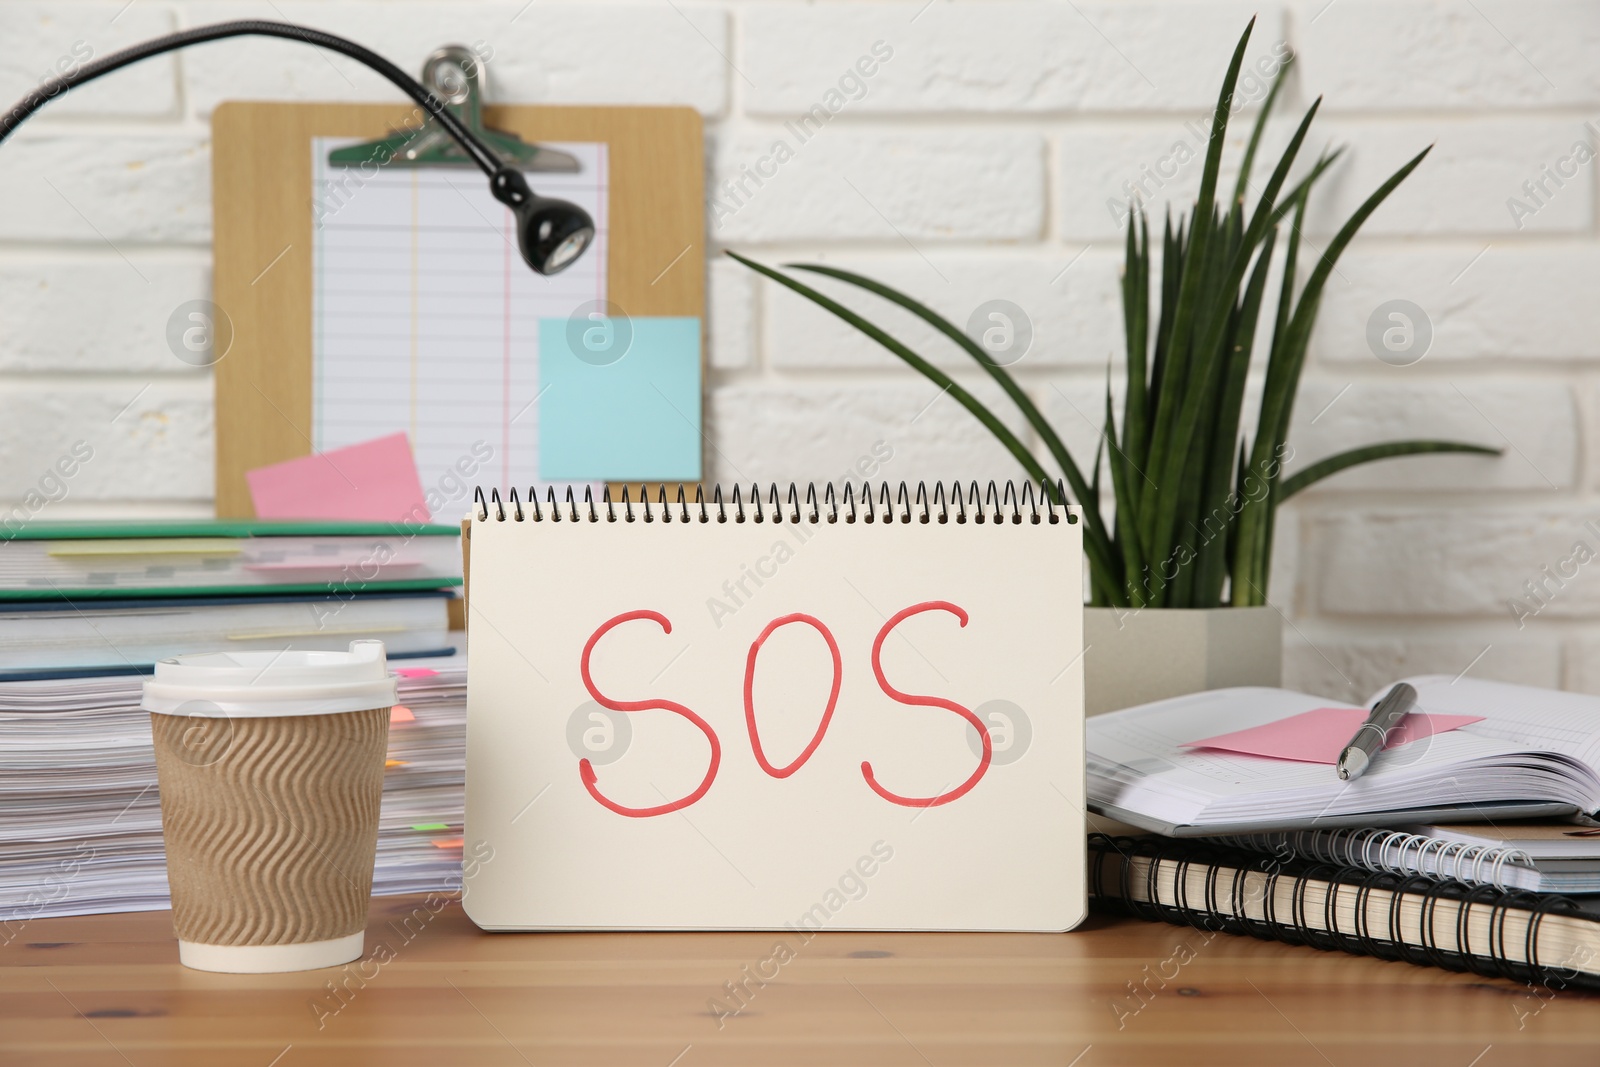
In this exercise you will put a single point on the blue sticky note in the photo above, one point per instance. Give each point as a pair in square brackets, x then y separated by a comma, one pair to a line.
[619, 399]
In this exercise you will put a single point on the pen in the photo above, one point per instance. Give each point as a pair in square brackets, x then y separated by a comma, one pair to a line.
[1386, 715]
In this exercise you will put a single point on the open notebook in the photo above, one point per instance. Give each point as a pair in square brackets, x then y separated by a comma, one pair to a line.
[1535, 752]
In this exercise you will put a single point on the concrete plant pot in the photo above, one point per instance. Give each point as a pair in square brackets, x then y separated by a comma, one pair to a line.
[1136, 656]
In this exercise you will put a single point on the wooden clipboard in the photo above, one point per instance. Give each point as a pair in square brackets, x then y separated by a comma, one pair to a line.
[262, 223]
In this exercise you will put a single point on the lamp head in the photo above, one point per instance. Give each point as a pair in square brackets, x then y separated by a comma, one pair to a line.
[551, 234]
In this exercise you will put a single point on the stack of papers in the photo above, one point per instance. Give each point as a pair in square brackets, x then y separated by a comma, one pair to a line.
[80, 815]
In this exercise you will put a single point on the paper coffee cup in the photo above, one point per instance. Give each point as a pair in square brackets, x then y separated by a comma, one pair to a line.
[270, 766]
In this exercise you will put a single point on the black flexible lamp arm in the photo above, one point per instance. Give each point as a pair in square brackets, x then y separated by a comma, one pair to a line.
[552, 233]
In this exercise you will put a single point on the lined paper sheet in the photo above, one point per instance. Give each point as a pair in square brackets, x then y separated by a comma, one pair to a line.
[426, 319]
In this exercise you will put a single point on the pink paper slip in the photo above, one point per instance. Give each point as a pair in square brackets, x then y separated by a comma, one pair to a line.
[1319, 735]
[374, 481]
[306, 565]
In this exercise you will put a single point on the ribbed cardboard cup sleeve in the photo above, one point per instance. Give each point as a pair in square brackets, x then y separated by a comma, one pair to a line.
[271, 824]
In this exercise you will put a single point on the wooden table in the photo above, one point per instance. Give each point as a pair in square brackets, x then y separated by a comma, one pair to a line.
[108, 990]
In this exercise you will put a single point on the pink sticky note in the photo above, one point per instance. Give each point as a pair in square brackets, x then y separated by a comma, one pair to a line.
[375, 481]
[1319, 735]
[400, 713]
[416, 672]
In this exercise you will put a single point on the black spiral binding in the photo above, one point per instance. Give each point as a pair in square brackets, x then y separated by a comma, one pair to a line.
[1112, 888]
[1034, 504]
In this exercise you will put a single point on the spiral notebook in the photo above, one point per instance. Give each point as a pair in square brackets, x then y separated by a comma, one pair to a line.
[1539, 857]
[1542, 938]
[782, 709]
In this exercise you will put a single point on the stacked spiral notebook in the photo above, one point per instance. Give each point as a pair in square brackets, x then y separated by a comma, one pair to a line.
[1546, 938]
[1471, 848]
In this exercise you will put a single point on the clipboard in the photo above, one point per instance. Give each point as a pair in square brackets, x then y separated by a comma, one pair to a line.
[263, 273]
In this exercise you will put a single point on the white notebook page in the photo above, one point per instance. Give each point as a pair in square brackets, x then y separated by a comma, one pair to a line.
[757, 850]
[426, 319]
[1137, 761]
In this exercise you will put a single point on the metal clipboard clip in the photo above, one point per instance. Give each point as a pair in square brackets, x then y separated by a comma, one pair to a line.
[455, 74]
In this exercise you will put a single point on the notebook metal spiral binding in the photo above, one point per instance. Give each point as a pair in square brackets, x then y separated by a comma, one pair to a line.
[1443, 860]
[1171, 860]
[902, 506]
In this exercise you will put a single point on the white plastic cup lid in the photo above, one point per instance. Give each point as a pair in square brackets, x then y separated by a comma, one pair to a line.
[271, 683]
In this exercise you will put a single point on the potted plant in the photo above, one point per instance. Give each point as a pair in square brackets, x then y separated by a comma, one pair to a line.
[1194, 499]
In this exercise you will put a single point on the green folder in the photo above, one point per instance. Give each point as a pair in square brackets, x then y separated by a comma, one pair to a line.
[94, 529]
[223, 557]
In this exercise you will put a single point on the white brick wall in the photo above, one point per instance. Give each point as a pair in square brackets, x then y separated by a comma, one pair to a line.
[974, 162]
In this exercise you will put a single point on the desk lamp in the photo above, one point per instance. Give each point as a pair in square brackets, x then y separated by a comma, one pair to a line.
[551, 234]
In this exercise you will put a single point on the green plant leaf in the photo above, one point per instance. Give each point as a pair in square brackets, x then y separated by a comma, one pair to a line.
[1244, 246]
[1001, 432]
[1252, 527]
[1182, 477]
[1368, 454]
[1162, 513]
[1164, 458]
[1194, 542]
[1096, 597]
[1222, 463]
[1276, 406]
[1172, 254]
[1136, 320]
[1286, 290]
[1103, 570]
[1260, 127]
[1303, 186]
[1283, 380]
[1030, 411]
[1099, 456]
[1127, 528]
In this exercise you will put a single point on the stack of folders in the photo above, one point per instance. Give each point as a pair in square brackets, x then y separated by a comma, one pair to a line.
[112, 598]
[1470, 846]
[87, 609]
[80, 818]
